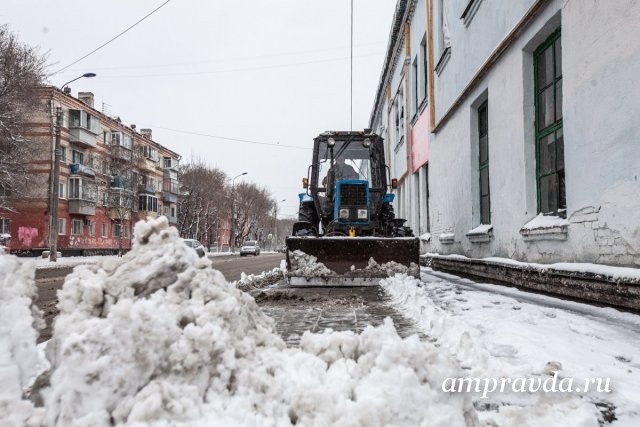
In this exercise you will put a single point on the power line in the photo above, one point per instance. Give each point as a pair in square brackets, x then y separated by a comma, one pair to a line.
[230, 70]
[224, 138]
[114, 38]
[232, 59]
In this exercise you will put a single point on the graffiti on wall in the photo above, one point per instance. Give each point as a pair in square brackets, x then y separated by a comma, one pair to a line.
[26, 235]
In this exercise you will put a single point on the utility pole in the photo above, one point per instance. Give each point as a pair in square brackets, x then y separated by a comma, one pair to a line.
[233, 211]
[55, 193]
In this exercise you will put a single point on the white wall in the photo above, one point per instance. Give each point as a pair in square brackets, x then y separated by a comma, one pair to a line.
[601, 109]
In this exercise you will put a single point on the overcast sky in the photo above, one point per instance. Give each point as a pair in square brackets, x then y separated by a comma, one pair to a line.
[273, 71]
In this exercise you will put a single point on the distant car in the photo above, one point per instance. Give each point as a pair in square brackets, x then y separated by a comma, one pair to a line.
[250, 247]
[197, 246]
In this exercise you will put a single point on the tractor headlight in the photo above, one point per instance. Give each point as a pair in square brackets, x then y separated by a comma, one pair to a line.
[331, 142]
[344, 213]
[362, 214]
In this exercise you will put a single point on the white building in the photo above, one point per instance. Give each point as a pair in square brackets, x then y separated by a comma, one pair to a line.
[534, 136]
[400, 113]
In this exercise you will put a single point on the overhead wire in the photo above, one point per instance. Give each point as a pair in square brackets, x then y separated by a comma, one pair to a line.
[231, 70]
[112, 39]
[225, 138]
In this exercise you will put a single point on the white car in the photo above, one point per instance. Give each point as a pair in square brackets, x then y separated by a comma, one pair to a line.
[250, 247]
[196, 245]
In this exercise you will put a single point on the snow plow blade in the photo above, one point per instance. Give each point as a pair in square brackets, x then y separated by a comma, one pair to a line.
[349, 261]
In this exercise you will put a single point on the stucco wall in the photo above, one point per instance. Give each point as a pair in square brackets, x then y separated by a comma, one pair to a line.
[601, 62]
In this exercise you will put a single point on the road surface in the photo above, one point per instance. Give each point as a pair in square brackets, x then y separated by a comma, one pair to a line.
[49, 280]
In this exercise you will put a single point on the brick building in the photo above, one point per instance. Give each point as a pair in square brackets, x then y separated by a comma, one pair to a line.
[111, 175]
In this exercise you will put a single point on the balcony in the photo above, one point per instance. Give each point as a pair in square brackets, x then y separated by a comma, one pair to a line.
[80, 169]
[82, 207]
[82, 136]
[171, 186]
[170, 163]
[168, 197]
[146, 188]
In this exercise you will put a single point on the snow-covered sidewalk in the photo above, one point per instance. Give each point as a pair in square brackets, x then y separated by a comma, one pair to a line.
[497, 332]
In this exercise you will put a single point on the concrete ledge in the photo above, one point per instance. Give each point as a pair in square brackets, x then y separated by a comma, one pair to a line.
[585, 286]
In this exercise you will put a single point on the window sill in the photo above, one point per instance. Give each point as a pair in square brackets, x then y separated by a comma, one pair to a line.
[481, 234]
[399, 145]
[426, 237]
[545, 228]
[446, 238]
[444, 60]
[470, 12]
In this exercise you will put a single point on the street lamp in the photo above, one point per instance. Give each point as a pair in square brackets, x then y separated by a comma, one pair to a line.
[85, 75]
[55, 191]
[233, 211]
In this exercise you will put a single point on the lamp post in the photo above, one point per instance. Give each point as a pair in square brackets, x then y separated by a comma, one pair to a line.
[55, 190]
[233, 211]
[275, 219]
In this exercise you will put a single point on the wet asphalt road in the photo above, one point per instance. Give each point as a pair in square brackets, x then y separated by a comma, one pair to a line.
[297, 310]
[49, 280]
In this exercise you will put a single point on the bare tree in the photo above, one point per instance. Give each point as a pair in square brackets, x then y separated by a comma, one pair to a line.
[21, 73]
[253, 209]
[121, 200]
[202, 207]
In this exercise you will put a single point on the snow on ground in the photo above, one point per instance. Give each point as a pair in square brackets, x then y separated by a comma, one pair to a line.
[496, 332]
[19, 320]
[162, 339]
[258, 281]
[627, 274]
[72, 261]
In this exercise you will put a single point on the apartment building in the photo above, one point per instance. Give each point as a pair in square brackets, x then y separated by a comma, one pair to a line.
[110, 176]
[532, 136]
[401, 114]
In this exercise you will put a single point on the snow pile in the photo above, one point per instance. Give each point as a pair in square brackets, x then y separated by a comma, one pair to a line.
[162, 339]
[305, 265]
[259, 281]
[392, 268]
[19, 320]
[482, 359]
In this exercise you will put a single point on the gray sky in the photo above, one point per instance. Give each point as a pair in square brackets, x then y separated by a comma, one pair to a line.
[273, 71]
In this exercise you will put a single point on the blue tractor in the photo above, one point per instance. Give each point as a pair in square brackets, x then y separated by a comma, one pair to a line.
[346, 217]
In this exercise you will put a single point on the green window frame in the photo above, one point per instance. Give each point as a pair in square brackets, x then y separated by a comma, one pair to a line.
[483, 163]
[550, 171]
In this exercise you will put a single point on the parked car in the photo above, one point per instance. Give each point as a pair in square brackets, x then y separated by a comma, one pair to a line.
[196, 245]
[250, 247]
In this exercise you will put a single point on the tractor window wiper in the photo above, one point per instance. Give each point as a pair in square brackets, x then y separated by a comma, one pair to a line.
[344, 147]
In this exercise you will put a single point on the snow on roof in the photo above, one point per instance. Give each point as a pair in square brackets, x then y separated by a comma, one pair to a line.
[162, 338]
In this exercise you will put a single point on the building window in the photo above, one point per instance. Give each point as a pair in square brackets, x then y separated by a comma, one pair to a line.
[63, 154]
[92, 229]
[483, 159]
[76, 227]
[77, 157]
[414, 84]
[549, 138]
[82, 188]
[104, 231]
[62, 191]
[84, 120]
[74, 188]
[116, 230]
[5, 226]
[62, 226]
[424, 75]
[147, 203]
[121, 139]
